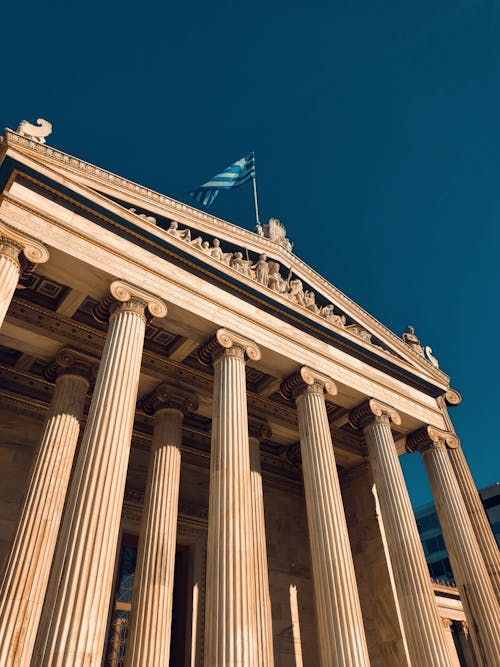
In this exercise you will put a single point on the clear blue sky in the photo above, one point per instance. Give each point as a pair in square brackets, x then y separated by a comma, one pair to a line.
[376, 129]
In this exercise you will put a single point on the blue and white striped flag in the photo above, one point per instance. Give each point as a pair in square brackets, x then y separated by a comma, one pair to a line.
[232, 177]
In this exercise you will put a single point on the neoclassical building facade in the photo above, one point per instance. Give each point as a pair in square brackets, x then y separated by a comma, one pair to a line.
[199, 446]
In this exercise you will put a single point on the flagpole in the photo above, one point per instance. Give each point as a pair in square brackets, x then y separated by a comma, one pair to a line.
[256, 201]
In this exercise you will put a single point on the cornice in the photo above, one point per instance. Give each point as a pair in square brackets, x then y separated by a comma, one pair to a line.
[384, 361]
[212, 225]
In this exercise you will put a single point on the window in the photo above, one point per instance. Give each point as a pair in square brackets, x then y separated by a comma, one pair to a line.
[428, 522]
[434, 544]
[441, 570]
[122, 606]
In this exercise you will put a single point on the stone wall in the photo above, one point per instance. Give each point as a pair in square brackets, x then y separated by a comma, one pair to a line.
[380, 615]
[17, 446]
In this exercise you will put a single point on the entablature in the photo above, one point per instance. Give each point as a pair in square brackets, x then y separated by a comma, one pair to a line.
[333, 316]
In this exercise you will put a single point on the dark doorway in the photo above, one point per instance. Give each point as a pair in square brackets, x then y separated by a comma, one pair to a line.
[180, 608]
[122, 606]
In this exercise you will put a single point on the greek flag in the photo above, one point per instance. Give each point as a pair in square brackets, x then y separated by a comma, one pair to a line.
[233, 176]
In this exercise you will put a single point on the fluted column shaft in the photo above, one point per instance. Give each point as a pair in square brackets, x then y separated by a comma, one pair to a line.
[10, 268]
[230, 616]
[421, 622]
[341, 636]
[452, 651]
[474, 585]
[480, 524]
[265, 656]
[30, 558]
[149, 637]
[477, 514]
[75, 611]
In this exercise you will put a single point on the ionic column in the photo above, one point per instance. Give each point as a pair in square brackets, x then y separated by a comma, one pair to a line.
[476, 592]
[448, 633]
[265, 657]
[230, 615]
[18, 255]
[421, 622]
[30, 557]
[149, 638]
[341, 636]
[75, 611]
[477, 515]
[464, 639]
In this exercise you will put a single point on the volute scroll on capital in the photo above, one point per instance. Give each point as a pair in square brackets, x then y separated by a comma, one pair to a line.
[258, 428]
[428, 438]
[373, 410]
[70, 362]
[225, 339]
[121, 292]
[34, 252]
[167, 396]
[307, 379]
[452, 397]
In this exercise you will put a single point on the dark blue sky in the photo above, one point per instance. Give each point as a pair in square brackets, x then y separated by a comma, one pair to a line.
[376, 129]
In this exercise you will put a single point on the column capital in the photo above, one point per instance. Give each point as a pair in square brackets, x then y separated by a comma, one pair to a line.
[258, 428]
[33, 251]
[70, 362]
[428, 438]
[120, 293]
[228, 341]
[11, 250]
[167, 396]
[373, 411]
[307, 380]
[451, 397]
[294, 454]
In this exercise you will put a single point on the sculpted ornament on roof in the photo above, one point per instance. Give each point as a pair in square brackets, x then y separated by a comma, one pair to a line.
[410, 338]
[275, 231]
[264, 271]
[35, 132]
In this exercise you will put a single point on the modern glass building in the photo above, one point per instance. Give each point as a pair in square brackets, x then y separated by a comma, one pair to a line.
[432, 536]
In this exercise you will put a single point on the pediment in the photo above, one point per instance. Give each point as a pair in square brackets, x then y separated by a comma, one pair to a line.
[263, 264]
